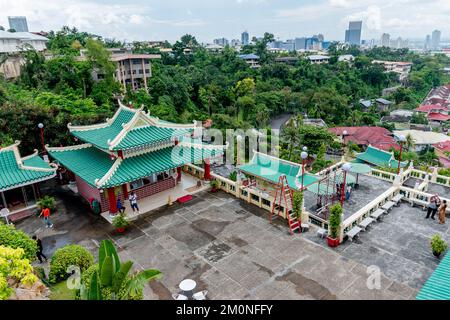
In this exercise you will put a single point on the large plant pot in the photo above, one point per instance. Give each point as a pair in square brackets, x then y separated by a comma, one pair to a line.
[120, 230]
[332, 242]
[436, 254]
[214, 190]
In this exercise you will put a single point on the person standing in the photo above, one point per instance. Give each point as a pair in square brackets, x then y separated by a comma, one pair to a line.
[39, 253]
[432, 206]
[119, 205]
[133, 202]
[46, 214]
[442, 210]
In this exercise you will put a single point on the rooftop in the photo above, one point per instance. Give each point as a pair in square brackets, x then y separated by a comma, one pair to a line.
[378, 137]
[17, 171]
[423, 137]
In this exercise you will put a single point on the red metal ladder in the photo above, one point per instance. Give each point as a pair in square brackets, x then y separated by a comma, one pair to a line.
[283, 192]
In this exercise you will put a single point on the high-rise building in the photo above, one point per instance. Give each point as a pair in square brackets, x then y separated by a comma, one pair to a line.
[353, 34]
[385, 40]
[428, 42]
[245, 39]
[300, 43]
[435, 39]
[221, 42]
[19, 24]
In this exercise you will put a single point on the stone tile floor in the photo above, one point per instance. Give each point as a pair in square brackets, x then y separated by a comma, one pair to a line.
[229, 248]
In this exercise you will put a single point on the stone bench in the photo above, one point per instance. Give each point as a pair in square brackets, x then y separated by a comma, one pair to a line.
[353, 232]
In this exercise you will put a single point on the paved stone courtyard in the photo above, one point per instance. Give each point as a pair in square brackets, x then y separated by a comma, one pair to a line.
[229, 248]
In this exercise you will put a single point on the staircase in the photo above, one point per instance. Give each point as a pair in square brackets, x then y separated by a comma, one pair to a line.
[283, 198]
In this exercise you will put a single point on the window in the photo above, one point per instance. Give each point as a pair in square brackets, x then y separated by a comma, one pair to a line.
[134, 71]
[136, 184]
[147, 71]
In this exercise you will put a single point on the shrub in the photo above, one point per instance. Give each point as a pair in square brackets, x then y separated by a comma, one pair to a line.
[15, 270]
[297, 203]
[233, 176]
[12, 238]
[47, 202]
[70, 255]
[215, 184]
[438, 245]
[335, 220]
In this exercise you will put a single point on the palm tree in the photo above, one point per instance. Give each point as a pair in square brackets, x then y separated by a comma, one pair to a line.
[410, 142]
[114, 276]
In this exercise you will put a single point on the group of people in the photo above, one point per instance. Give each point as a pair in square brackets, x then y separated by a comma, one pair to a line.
[133, 203]
[347, 191]
[437, 206]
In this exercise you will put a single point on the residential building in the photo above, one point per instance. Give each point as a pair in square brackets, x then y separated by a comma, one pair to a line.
[364, 136]
[287, 60]
[383, 104]
[401, 68]
[214, 48]
[132, 152]
[132, 70]
[236, 43]
[251, 59]
[14, 42]
[245, 38]
[423, 139]
[436, 105]
[316, 122]
[428, 43]
[19, 24]
[289, 46]
[353, 34]
[318, 59]
[442, 150]
[366, 104]
[346, 58]
[19, 181]
[313, 43]
[388, 91]
[399, 118]
[435, 39]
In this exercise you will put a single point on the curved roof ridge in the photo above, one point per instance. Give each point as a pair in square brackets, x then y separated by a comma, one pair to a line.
[126, 128]
[68, 148]
[109, 174]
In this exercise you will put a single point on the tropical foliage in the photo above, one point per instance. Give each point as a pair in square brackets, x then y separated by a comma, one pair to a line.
[335, 220]
[15, 270]
[111, 279]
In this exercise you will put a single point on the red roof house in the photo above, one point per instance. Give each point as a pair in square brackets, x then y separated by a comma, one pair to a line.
[377, 137]
[431, 107]
[440, 149]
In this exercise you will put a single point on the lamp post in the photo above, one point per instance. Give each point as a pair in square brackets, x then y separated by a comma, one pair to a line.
[345, 168]
[402, 140]
[304, 156]
[41, 129]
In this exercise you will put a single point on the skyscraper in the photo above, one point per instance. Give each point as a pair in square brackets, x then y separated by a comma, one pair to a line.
[300, 43]
[428, 42]
[435, 39]
[19, 24]
[385, 40]
[245, 38]
[353, 34]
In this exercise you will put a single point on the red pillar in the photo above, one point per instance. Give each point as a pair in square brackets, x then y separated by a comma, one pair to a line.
[178, 174]
[207, 170]
[125, 191]
[112, 201]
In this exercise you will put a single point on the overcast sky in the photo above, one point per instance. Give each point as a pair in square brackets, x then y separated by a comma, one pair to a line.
[209, 19]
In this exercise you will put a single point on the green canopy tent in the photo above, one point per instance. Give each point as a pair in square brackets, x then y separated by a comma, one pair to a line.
[360, 168]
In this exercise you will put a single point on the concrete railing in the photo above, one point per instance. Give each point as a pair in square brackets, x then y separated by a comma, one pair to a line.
[331, 168]
[382, 175]
[420, 198]
[365, 211]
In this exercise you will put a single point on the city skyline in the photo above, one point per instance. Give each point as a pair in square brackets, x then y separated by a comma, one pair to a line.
[288, 19]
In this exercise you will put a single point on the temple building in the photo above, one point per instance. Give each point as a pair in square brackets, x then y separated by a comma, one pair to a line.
[132, 151]
[19, 181]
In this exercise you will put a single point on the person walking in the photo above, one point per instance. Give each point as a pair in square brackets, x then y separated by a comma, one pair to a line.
[433, 206]
[39, 253]
[46, 214]
[442, 209]
[133, 202]
[119, 205]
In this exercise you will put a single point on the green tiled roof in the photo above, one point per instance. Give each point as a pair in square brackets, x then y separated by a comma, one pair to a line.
[12, 176]
[157, 161]
[270, 168]
[87, 163]
[148, 135]
[438, 285]
[378, 157]
[91, 163]
[99, 137]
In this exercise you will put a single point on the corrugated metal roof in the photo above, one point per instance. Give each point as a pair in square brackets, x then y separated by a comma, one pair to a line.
[438, 285]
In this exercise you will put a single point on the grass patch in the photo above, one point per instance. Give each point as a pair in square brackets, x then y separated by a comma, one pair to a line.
[60, 291]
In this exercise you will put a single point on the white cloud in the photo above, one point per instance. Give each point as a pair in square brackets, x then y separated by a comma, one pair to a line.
[136, 19]
[371, 16]
[339, 3]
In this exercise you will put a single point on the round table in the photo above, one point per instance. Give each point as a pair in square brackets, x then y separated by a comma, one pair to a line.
[188, 286]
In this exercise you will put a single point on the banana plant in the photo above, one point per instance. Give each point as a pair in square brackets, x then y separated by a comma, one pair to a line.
[114, 275]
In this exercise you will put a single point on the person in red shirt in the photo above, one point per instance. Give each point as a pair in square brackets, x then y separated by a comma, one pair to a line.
[46, 214]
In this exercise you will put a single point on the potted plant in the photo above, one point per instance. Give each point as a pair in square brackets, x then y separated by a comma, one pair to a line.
[120, 222]
[215, 185]
[335, 223]
[438, 246]
[297, 204]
